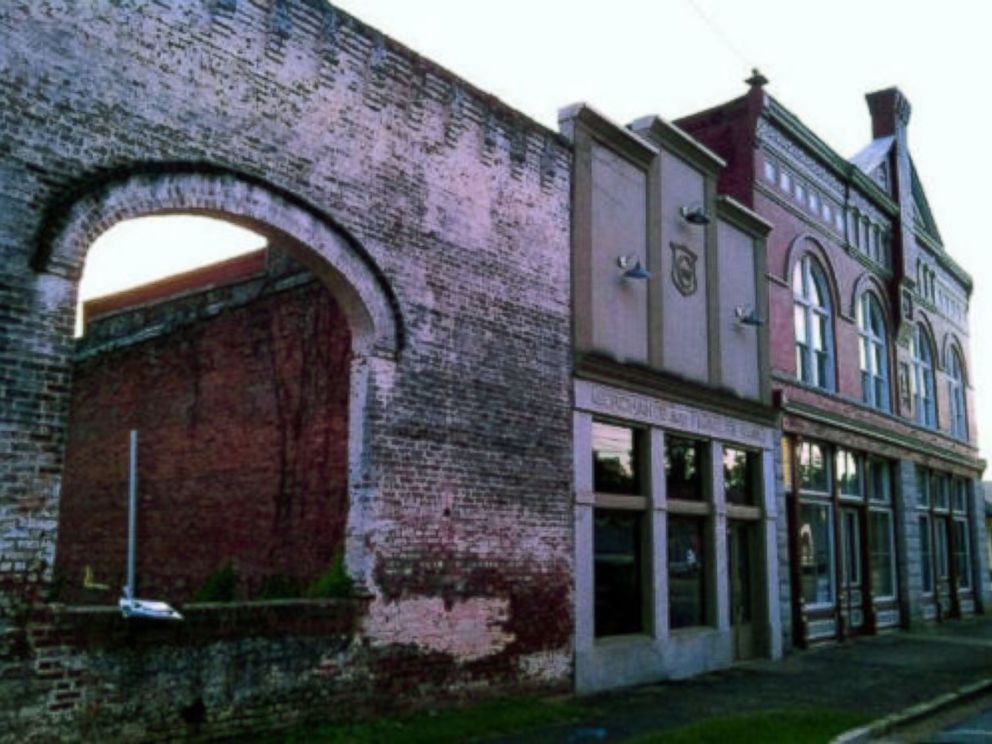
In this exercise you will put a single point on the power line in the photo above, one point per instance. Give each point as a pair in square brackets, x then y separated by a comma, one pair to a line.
[720, 34]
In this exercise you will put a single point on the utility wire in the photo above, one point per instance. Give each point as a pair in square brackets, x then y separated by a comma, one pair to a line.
[723, 37]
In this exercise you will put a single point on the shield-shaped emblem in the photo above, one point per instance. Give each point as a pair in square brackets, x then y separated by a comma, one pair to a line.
[683, 269]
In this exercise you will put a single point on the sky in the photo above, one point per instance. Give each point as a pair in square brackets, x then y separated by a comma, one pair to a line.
[629, 58]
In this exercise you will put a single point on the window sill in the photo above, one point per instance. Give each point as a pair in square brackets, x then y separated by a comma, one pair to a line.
[630, 639]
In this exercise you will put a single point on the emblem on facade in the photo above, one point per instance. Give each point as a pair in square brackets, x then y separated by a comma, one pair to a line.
[683, 269]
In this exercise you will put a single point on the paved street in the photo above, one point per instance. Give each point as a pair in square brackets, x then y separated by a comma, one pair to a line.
[874, 676]
[975, 729]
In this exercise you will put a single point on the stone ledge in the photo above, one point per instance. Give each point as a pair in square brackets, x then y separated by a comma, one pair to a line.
[102, 626]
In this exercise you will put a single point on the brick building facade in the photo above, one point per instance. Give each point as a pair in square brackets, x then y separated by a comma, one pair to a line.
[869, 364]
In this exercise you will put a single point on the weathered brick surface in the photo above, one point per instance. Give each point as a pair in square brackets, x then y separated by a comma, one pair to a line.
[451, 217]
[239, 395]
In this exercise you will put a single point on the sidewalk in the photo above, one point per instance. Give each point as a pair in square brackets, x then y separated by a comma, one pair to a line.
[872, 676]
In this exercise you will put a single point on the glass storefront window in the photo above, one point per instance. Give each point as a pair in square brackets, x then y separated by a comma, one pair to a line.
[962, 554]
[926, 554]
[684, 469]
[740, 476]
[940, 545]
[881, 553]
[813, 468]
[616, 459]
[816, 557]
[618, 578]
[686, 571]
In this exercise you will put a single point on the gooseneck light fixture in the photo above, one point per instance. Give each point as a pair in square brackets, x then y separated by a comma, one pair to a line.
[632, 268]
[694, 214]
[747, 315]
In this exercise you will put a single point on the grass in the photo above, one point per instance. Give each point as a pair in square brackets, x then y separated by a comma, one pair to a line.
[793, 725]
[453, 725]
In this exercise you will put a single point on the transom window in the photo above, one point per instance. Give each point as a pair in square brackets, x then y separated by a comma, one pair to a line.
[874, 356]
[921, 381]
[955, 395]
[812, 320]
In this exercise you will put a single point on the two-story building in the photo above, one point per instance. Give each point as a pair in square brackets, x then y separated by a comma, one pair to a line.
[869, 367]
[676, 452]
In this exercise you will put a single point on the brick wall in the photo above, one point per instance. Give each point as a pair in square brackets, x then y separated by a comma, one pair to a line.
[241, 411]
[454, 210]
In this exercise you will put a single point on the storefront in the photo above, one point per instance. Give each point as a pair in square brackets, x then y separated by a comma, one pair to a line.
[846, 520]
[842, 541]
[676, 558]
[948, 586]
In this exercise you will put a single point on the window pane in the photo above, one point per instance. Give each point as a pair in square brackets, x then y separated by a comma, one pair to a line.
[848, 474]
[686, 571]
[615, 458]
[819, 332]
[961, 553]
[940, 546]
[922, 487]
[618, 582]
[938, 491]
[816, 554]
[879, 481]
[799, 319]
[683, 468]
[812, 468]
[880, 547]
[959, 495]
[740, 476]
[926, 554]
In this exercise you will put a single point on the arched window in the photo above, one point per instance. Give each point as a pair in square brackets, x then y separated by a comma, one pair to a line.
[922, 378]
[873, 353]
[814, 332]
[955, 389]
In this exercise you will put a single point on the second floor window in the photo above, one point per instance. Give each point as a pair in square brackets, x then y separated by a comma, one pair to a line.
[955, 396]
[812, 319]
[873, 353]
[921, 381]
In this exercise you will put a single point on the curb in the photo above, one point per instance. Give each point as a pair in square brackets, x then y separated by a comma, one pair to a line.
[916, 712]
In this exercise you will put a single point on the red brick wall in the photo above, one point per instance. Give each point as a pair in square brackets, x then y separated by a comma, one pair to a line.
[242, 424]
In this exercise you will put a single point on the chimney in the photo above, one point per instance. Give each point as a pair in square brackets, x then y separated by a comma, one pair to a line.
[890, 112]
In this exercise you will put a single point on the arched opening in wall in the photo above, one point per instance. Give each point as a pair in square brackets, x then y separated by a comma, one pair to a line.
[232, 360]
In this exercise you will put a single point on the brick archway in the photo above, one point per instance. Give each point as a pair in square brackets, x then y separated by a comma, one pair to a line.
[350, 276]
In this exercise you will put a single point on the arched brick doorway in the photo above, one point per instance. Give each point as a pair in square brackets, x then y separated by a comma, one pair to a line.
[358, 297]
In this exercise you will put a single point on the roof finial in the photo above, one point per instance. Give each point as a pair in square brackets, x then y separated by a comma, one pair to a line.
[757, 80]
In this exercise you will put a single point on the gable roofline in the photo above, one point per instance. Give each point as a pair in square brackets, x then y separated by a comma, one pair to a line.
[844, 169]
[923, 204]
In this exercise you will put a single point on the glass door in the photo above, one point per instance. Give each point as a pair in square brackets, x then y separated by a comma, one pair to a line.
[942, 564]
[741, 544]
[851, 593]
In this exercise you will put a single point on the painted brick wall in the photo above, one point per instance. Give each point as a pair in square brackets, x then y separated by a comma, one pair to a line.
[242, 424]
[456, 204]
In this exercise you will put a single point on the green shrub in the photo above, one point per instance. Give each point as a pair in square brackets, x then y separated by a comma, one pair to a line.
[280, 586]
[334, 582]
[220, 586]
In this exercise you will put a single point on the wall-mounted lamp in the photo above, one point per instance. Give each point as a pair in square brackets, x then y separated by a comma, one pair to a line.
[695, 214]
[632, 268]
[747, 315]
